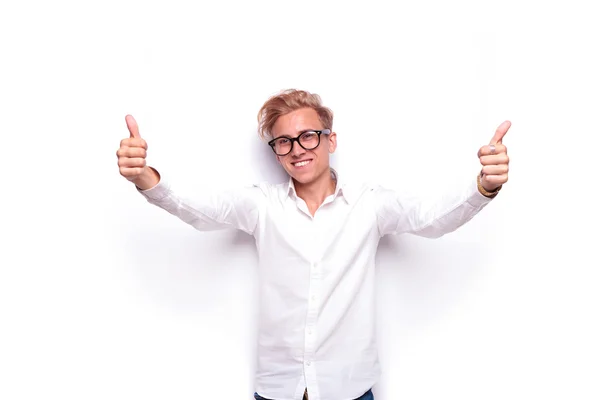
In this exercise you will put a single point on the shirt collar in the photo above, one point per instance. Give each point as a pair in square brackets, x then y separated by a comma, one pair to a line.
[341, 188]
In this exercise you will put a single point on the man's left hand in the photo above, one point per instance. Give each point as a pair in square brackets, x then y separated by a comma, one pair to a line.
[494, 159]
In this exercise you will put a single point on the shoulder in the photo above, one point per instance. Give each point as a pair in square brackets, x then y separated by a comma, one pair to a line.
[269, 190]
[360, 190]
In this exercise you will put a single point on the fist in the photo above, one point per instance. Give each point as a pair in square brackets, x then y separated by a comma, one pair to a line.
[132, 153]
[494, 160]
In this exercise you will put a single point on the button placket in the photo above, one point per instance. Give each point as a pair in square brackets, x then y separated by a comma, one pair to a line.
[310, 327]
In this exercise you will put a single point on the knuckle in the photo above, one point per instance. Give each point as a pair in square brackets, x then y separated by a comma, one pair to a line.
[129, 172]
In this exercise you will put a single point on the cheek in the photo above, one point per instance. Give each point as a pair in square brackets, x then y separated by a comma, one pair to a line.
[284, 161]
[324, 154]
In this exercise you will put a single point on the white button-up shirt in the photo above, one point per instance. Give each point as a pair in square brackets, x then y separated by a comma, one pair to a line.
[317, 274]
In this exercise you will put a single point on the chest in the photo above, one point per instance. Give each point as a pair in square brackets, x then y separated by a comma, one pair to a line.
[290, 231]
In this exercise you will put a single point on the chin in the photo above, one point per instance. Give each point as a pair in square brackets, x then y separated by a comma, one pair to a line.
[303, 177]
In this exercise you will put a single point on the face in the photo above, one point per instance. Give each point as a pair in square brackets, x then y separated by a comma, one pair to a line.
[305, 166]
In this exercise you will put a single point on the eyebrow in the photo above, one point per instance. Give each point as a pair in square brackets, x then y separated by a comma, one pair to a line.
[300, 132]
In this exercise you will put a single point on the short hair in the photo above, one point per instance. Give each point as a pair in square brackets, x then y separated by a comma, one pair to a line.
[287, 101]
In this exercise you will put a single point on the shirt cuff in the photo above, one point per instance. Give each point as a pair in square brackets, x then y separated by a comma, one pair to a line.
[158, 192]
[476, 198]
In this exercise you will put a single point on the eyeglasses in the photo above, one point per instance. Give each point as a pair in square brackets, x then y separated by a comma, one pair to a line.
[308, 140]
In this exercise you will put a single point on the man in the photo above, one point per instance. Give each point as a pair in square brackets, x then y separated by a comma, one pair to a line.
[316, 237]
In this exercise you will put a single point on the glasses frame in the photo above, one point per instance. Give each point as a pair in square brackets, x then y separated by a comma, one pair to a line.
[297, 139]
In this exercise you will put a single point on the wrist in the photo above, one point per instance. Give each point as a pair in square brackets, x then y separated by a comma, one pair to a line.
[147, 179]
[487, 192]
[490, 189]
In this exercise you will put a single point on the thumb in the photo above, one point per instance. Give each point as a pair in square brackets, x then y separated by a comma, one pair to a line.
[132, 125]
[500, 132]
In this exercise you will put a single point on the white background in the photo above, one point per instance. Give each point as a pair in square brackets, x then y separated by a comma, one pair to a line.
[103, 296]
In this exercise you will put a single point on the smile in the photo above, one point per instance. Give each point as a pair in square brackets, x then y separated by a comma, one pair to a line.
[302, 163]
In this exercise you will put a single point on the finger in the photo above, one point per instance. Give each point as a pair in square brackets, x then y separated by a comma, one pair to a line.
[131, 162]
[131, 152]
[495, 169]
[495, 159]
[134, 142]
[500, 132]
[487, 150]
[132, 125]
[131, 173]
[494, 180]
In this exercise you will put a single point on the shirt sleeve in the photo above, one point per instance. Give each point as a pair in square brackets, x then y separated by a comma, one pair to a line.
[233, 208]
[400, 213]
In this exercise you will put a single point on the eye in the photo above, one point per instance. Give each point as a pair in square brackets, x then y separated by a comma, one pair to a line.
[282, 141]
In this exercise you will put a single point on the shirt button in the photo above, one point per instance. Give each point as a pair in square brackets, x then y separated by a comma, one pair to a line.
[310, 331]
[308, 363]
[313, 297]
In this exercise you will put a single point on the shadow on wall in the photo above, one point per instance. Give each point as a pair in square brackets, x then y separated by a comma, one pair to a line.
[420, 281]
[187, 271]
[269, 169]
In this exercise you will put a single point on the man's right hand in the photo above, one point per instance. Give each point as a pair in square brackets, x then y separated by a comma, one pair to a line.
[132, 158]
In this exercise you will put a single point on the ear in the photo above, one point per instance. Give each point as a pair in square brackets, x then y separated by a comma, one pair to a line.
[332, 142]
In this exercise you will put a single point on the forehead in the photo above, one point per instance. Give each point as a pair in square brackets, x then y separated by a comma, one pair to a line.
[293, 123]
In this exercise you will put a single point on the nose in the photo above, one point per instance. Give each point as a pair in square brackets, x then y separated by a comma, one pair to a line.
[297, 150]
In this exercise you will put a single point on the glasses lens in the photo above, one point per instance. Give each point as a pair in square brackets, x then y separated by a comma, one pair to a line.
[309, 140]
[283, 146]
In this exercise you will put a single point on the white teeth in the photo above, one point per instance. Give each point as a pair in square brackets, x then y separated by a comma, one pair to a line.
[302, 164]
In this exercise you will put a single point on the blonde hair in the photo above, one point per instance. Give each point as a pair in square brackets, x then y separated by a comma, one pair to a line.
[287, 101]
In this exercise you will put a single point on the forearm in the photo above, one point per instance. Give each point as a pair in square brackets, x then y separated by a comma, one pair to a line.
[433, 217]
[449, 214]
[208, 210]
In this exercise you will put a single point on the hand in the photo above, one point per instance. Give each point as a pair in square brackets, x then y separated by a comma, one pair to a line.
[132, 153]
[494, 160]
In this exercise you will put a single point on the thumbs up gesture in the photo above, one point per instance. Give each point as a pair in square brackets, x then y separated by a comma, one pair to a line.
[494, 159]
[132, 158]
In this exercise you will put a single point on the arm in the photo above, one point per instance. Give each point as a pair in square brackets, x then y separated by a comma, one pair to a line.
[236, 209]
[397, 213]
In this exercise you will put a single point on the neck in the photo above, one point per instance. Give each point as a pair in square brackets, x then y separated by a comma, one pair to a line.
[315, 193]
